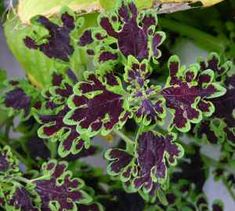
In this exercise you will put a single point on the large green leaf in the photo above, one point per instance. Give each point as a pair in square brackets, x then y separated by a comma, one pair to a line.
[30, 8]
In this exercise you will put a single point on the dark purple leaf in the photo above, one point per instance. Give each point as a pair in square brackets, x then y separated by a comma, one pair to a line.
[57, 44]
[86, 38]
[154, 153]
[220, 127]
[22, 200]
[119, 162]
[188, 93]
[147, 169]
[213, 63]
[107, 56]
[18, 100]
[59, 189]
[54, 128]
[92, 107]
[53, 112]
[132, 32]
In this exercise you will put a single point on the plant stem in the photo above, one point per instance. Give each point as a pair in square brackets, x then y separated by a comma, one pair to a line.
[22, 179]
[140, 129]
[123, 136]
[27, 181]
[40, 178]
[53, 148]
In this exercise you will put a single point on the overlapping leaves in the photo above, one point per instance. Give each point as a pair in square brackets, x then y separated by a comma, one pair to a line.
[220, 127]
[13, 196]
[184, 195]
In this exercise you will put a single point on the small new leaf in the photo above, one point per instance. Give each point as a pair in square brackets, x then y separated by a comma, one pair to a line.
[145, 101]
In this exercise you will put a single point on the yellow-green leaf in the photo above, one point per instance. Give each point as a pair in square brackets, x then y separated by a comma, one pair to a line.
[30, 8]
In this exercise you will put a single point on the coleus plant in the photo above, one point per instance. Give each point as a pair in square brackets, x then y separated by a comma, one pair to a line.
[117, 92]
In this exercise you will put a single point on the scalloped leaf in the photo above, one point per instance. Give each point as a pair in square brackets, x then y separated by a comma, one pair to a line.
[154, 153]
[134, 33]
[213, 62]
[57, 44]
[147, 170]
[120, 163]
[92, 106]
[52, 113]
[57, 189]
[220, 126]
[55, 129]
[188, 92]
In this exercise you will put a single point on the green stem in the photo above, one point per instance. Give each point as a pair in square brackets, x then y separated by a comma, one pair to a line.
[140, 129]
[27, 181]
[40, 178]
[123, 136]
[52, 146]
[203, 39]
[22, 179]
